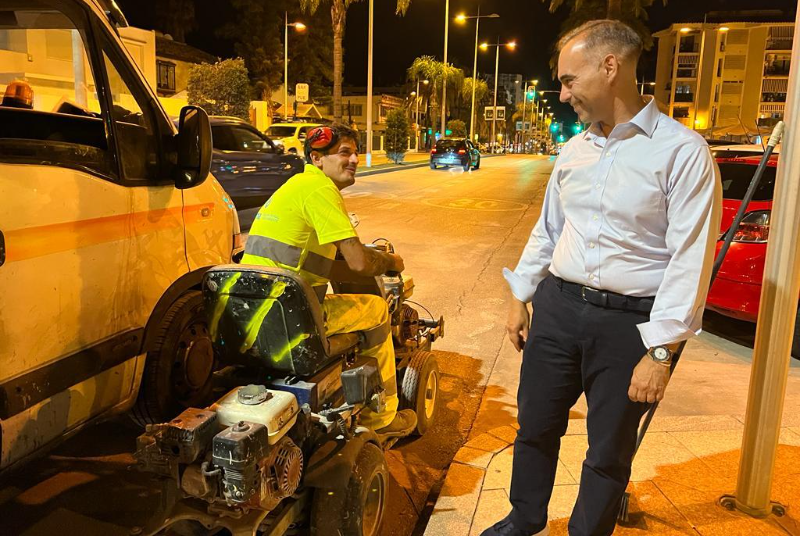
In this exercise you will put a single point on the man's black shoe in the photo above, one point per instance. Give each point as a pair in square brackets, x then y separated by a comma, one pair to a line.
[505, 527]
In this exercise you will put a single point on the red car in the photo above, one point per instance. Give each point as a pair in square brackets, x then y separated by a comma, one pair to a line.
[737, 290]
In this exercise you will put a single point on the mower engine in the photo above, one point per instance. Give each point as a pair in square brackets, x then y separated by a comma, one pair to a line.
[235, 453]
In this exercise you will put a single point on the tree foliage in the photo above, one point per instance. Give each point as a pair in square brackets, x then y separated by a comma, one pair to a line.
[221, 88]
[396, 136]
[457, 128]
[176, 18]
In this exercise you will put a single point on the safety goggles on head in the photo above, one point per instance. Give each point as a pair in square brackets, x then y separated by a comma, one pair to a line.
[320, 139]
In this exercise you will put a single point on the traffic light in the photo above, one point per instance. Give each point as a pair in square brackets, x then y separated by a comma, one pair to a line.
[532, 93]
[561, 137]
[554, 127]
[578, 128]
[448, 132]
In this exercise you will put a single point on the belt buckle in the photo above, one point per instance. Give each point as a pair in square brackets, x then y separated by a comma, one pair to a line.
[603, 300]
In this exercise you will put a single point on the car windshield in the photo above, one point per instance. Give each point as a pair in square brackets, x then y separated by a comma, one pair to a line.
[442, 145]
[279, 131]
[736, 177]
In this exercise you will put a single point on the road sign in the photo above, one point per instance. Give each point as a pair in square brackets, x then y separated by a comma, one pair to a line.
[519, 125]
[488, 113]
[301, 92]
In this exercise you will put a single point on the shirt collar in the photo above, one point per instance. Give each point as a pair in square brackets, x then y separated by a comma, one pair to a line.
[646, 120]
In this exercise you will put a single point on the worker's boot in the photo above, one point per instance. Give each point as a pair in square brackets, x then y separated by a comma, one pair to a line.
[405, 421]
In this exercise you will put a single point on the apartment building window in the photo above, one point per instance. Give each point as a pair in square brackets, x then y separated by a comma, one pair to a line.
[681, 112]
[683, 93]
[166, 76]
[719, 67]
[716, 92]
[777, 65]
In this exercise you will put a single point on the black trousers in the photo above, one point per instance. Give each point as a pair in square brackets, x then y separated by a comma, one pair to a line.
[576, 347]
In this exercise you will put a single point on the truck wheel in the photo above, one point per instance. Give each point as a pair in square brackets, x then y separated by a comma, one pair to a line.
[478, 163]
[796, 340]
[179, 369]
[358, 510]
[420, 389]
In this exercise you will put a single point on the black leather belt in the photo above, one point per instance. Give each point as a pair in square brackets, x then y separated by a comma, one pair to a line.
[605, 298]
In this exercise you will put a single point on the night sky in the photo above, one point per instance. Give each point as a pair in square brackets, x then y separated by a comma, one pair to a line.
[398, 40]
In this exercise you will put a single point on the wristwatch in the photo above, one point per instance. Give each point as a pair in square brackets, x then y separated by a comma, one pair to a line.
[661, 355]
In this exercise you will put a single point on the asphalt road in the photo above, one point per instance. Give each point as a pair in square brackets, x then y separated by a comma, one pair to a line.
[455, 231]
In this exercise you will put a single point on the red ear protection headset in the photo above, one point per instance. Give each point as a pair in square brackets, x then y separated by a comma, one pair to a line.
[320, 139]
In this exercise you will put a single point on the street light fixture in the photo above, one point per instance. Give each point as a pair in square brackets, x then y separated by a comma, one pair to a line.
[298, 26]
[462, 18]
[525, 105]
[511, 45]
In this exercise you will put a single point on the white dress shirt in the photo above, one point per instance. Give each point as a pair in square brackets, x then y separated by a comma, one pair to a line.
[637, 213]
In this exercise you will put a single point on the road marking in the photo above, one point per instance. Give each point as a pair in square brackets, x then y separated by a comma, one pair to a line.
[388, 206]
[488, 205]
[356, 195]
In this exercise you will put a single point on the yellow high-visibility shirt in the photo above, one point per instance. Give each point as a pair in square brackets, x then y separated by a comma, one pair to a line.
[296, 229]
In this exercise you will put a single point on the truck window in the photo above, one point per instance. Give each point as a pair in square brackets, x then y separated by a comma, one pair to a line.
[50, 112]
[137, 142]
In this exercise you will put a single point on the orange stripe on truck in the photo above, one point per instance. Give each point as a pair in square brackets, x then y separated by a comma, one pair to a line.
[32, 242]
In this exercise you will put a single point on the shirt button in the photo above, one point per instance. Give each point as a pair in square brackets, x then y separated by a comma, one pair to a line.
[597, 186]
[591, 277]
[595, 217]
[608, 155]
[591, 245]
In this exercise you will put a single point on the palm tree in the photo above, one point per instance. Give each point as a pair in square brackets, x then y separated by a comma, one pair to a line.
[428, 68]
[338, 15]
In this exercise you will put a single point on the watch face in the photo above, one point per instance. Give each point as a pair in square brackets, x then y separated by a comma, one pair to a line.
[661, 353]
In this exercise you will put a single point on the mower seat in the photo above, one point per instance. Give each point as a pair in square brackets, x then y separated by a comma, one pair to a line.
[269, 316]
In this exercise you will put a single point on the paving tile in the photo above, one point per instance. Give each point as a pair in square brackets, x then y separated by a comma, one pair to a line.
[487, 442]
[562, 502]
[474, 457]
[696, 499]
[577, 427]
[650, 511]
[719, 449]
[694, 423]
[457, 501]
[493, 506]
[659, 451]
[498, 474]
[506, 433]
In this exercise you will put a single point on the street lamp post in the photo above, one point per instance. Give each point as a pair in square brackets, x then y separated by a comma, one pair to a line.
[416, 111]
[369, 87]
[485, 46]
[444, 78]
[642, 84]
[525, 105]
[299, 26]
[463, 18]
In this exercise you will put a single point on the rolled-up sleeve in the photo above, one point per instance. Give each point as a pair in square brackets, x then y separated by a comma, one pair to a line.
[535, 261]
[694, 202]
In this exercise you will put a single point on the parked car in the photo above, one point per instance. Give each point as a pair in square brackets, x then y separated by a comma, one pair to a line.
[247, 163]
[737, 290]
[455, 152]
[291, 136]
[109, 220]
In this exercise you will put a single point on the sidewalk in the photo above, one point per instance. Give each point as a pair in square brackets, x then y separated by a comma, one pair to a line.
[689, 458]
[379, 159]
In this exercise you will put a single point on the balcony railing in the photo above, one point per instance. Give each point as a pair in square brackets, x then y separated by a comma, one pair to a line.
[776, 70]
[779, 44]
[773, 97]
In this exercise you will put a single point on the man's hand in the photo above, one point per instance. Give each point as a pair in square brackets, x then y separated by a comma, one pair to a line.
[368, 261]
[518, 322]
[397, 263]
[649, 381]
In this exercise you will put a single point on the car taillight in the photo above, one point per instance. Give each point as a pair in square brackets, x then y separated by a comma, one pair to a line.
[754, 228]
[462, 151]
[433, 151]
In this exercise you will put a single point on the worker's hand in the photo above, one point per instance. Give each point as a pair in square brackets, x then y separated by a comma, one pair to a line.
[397, 263]
[649, 381]
[519, 320]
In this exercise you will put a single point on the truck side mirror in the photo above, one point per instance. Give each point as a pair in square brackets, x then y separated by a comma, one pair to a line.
[194, 147]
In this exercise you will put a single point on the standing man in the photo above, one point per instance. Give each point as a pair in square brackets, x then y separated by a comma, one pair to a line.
[617, 269]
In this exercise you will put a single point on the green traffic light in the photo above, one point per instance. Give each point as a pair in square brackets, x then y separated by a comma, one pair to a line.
[553, 127]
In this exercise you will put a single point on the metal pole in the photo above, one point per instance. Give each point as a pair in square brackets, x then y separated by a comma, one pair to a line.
[286, 66]
[444, 79]
[524, 105]
[699, 73]
[494, 105]
[369, 89]
[474, 78]
[776, 320]
[416, 113]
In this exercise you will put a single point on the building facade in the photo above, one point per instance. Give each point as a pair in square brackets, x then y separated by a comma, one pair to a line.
[725, 80]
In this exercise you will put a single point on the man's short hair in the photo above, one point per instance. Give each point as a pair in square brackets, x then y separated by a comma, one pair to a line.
[344, 132]
[337, 133]
[606, 36]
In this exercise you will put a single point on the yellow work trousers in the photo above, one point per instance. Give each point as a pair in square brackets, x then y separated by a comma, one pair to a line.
[349, 313]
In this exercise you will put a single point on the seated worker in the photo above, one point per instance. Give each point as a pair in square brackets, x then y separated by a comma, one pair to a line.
[300, 229]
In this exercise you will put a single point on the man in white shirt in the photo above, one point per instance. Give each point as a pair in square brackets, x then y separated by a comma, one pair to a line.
[617, 269]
